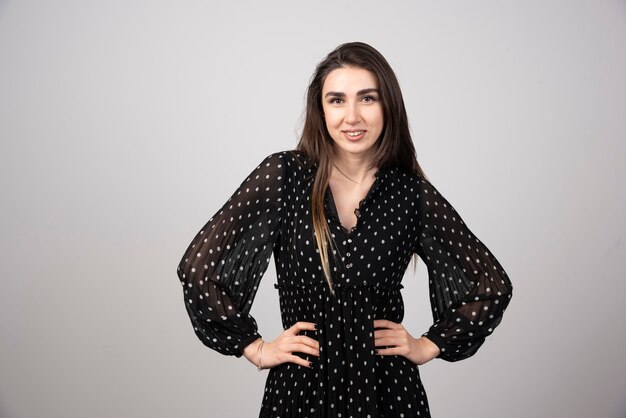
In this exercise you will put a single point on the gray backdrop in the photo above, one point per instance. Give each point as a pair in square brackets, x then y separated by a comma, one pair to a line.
[126, 124]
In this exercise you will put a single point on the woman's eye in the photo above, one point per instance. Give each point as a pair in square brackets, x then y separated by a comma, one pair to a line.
[335, 100]
[369, 99]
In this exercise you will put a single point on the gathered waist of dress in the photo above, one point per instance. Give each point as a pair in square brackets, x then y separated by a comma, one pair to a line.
[340, 286]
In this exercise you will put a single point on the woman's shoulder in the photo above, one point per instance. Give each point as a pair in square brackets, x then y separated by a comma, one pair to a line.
[292, 158]
[403, 174]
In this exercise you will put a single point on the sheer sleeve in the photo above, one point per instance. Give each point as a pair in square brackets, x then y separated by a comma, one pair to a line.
[221, 269]
[469, 289]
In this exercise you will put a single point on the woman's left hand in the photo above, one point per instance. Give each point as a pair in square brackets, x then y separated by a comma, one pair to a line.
[419, 351]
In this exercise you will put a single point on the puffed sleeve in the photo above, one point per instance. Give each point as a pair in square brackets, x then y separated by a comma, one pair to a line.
[221, 269]
[469, 289]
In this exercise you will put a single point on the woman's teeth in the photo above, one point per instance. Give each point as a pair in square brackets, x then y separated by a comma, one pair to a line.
[354, 133]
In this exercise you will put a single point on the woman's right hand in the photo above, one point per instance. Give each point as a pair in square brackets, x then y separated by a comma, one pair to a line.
[282, 348]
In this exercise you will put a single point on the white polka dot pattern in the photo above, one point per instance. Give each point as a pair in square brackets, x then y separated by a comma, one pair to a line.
[223, 265]
[402, 214]
[469, 289]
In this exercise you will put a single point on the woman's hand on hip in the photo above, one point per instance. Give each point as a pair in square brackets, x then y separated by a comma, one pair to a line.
[282, 348]
[400, 342]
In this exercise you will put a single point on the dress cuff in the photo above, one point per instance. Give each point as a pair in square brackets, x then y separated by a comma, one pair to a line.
[246, 342]
[437, 340]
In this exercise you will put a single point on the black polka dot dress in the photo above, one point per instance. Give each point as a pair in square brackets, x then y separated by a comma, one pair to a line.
[402, 214]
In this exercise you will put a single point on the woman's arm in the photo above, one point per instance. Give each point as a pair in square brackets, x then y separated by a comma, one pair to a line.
[221, 269]
[469, 289]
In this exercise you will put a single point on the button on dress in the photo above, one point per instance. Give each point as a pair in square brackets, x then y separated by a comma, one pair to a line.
[402, 214]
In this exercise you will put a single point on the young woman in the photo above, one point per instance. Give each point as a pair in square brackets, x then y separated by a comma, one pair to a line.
[343, 215]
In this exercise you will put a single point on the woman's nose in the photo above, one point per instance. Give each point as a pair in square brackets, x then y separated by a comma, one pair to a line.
[352, 114]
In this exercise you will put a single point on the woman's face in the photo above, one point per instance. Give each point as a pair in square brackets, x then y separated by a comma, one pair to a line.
[352, 110]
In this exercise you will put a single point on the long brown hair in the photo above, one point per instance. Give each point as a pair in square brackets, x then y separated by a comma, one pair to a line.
[394, 147]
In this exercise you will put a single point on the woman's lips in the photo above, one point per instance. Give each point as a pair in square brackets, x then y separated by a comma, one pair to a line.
[353, 135]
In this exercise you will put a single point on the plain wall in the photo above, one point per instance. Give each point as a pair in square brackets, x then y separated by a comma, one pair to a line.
[125, 125]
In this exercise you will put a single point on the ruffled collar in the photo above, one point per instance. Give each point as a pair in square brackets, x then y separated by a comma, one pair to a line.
[331, 209]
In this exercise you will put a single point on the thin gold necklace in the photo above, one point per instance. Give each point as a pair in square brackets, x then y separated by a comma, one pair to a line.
[342, 173]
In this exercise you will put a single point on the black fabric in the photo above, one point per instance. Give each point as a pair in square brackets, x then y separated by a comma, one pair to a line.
[402, 214]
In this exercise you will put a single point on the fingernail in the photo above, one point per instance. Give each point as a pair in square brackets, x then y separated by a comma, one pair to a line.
[310, 364]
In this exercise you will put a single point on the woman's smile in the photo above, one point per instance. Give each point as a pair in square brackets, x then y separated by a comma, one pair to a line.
[354, 135]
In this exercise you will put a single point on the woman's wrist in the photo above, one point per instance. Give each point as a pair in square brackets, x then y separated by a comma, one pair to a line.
[251, 351]
[431, 350]
[423, 350]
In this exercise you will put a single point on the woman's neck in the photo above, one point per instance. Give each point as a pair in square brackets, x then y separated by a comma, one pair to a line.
[355, 167]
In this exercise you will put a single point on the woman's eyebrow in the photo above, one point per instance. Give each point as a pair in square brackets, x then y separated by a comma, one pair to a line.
[358, 93]
[366, 91]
